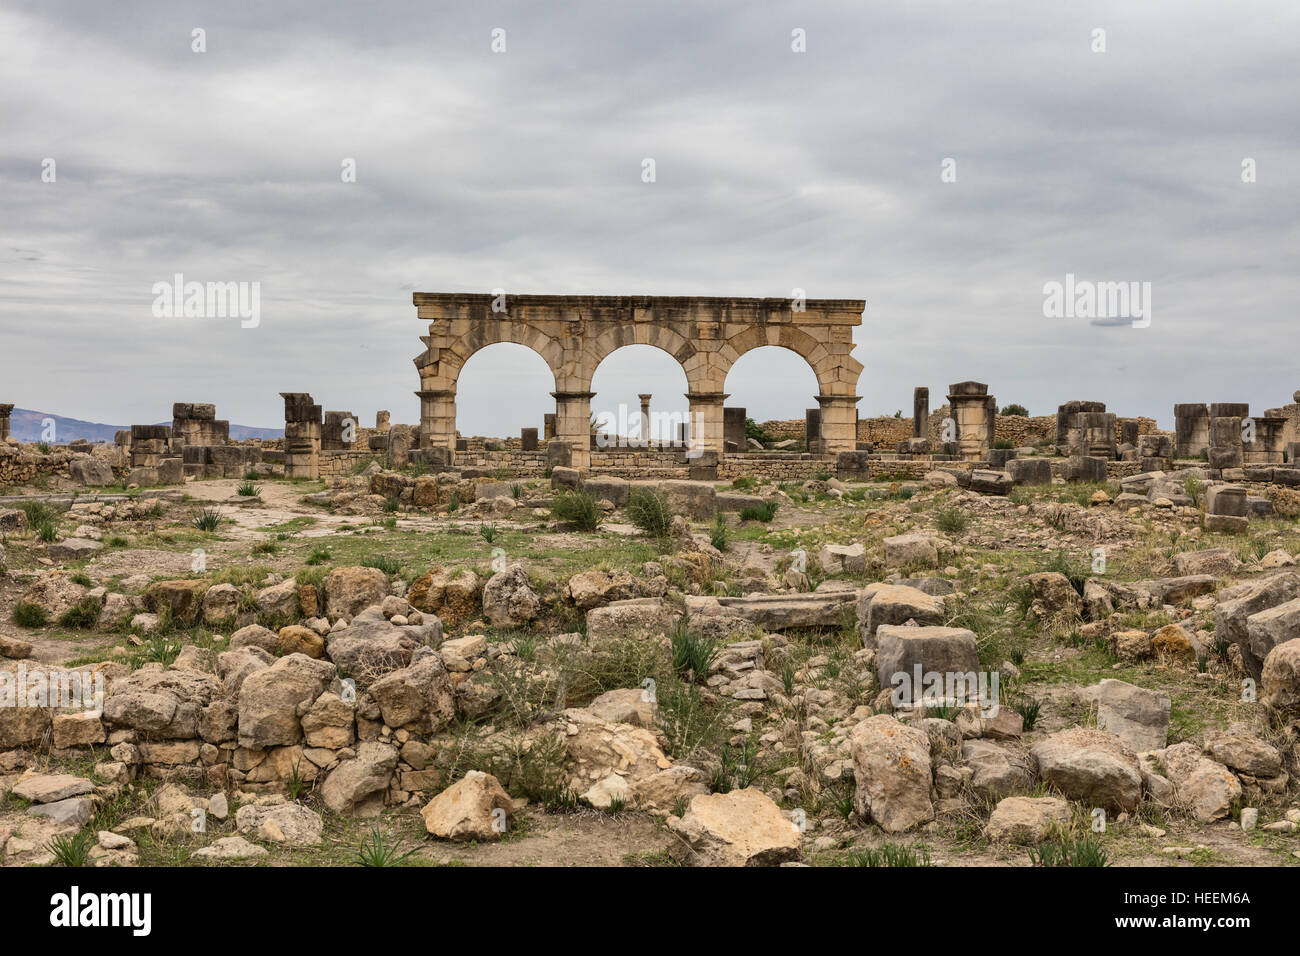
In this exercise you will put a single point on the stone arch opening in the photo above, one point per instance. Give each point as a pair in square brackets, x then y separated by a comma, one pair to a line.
[502, 388]
[639, 391]
[771, 382]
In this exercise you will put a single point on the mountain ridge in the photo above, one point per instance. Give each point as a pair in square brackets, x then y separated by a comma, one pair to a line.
[28, 425]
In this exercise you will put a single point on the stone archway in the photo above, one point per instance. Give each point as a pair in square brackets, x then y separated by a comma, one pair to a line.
[574, 333]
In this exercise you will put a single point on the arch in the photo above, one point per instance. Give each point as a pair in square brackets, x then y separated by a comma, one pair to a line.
[621, 401]
[761, 355]
[819, 357]
[620, 336]
[453, 358]
[484, 408]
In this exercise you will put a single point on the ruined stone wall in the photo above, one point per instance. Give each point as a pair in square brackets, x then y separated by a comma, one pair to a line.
[339, 463]
[778, 467]
[516, 462]
[886, 431]
[18, 467]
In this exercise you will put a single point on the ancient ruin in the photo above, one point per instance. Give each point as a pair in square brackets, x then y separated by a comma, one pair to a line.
[453, 633]
[573, 334]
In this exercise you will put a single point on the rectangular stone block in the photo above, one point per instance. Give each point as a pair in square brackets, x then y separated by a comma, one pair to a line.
[1030, 471]
[607, 489]
[704, 467]
[1226, 500]
[1081, 468]
[853, 465]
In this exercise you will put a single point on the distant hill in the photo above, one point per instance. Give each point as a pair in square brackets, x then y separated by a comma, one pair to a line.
[27, 425]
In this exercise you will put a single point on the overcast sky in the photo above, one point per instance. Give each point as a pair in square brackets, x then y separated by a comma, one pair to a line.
[775, 170]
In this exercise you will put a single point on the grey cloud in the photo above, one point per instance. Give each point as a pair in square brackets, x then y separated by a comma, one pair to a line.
[775, 170]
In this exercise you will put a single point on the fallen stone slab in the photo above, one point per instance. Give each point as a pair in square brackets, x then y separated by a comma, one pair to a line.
[14, 647]
[1280, 682]
[880, 604]
[1091, 766]
[1208, 787]
[910, 550]
[50, 788]
[1226, 524]
[73, 549]
[740, 828]
[777, 612]
[229, 848]
[1227, 500]
[1219, 562]
[891, 769]
[904, 654]
[75, 810]
[998, 771]
[1029, 471]
[986, 482]
[847, 558]
[1231, 616]
[733, 501]
[1026, 820]
[289, 824]
[1135, 715]
[1242, 750]
[474, 808]
[635, 617]
[1267, 629]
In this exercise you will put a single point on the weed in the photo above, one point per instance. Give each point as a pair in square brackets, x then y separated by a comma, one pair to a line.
[764, 512]
[72, 849]
[1068, 852]
[27, 614]
[206, 520]
[650, 512]
[376, 851]
[579, 508]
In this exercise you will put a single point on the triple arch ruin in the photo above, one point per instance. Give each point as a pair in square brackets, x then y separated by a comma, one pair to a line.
[574, 333]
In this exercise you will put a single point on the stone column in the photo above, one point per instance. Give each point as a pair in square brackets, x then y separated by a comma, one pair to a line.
[969, 402]
[438, 418]
[302, 435]
[196, 423]
[1064, 417]
[733, 428]
[1092, 435]
[1191, 430]
[149, 445]
[1225, 434]
[1268, 446]
[645, 415]
[839, 423]
[332, 438]
[573, 425]
[399, 440]
[920, 412]
[5, 411]
[706, 420]
[382, 422]
[548, 426]
[812, 430]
